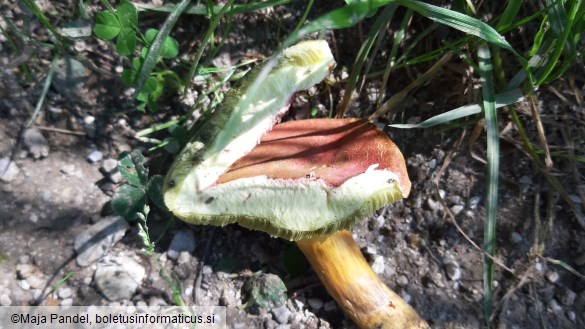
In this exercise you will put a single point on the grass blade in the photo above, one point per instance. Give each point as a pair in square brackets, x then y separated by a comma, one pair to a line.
[398, 37]
[205, 41]
[561, 42]
[343, 17]
[510, 13]
[500, 100]
[304, 17]
[493, 163]
[364, 53]
[32, 6]
[45, 90]
[459, 21]
[154, 51]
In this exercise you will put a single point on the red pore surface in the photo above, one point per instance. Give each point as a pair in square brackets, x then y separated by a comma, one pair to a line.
[330, 149]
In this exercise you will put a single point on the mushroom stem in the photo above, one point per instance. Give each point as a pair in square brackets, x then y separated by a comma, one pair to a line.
[347, 276]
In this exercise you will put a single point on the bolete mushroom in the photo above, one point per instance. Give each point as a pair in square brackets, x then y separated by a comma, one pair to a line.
[307, 180]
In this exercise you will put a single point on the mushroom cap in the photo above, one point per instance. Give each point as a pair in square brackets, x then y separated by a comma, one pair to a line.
[306, 178]
[332, 150]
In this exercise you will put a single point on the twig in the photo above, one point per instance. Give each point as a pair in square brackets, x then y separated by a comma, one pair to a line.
[62, 131]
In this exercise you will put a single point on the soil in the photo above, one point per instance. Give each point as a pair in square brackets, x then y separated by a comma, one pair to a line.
[429, 243]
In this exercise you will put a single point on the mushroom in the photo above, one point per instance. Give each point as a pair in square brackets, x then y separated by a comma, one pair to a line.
[335, 152]
[308, 181]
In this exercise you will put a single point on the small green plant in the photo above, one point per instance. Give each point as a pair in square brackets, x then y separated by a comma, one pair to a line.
[144, 54]
[132, 199]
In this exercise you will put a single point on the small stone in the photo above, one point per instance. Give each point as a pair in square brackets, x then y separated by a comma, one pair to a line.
[378, 264]
[156, 301]
[516, 237]
[538, 266]
[36, 143]
[228, 298]
[474, 202]
[8, 170]
[552, 276]
[66, 302]
[118, 278]
[5, 300]
[109, 168]
[571, 315]
[281, 314]
[88, 119]
[300, 303]
[36, 282]
[406, 297]
[414, 241]
[24, 285]
[184, 257]
[37, 294]
[23, 271]
[33, 218]
[432, 164]
[432, 204]
[93, 243]
[442, 193]
[371, 250]
[453, 270]
[315, 303]
[330, 306]
[555, 306]
[456, 209]
[566, 297]
[380, 220]
[402, 280]
[207, 270]
[454, 199]
[525, 180]
[95, 156]
[64, 292]
[182, 241]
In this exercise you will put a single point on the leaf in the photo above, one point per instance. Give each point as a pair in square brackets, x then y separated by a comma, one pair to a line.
[129, 201]
[107, 26]
[149, 86]
[170, 48]
[126, 42]
[132, 169]
[128, 171]
[136, 63]
[128, 77]
[127, 15]
[138, 161]
[154, 191]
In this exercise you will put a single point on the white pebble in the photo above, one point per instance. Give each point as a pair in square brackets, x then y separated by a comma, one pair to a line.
[315, 303]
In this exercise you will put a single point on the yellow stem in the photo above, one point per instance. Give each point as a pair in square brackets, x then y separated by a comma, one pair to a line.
[347, 276]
